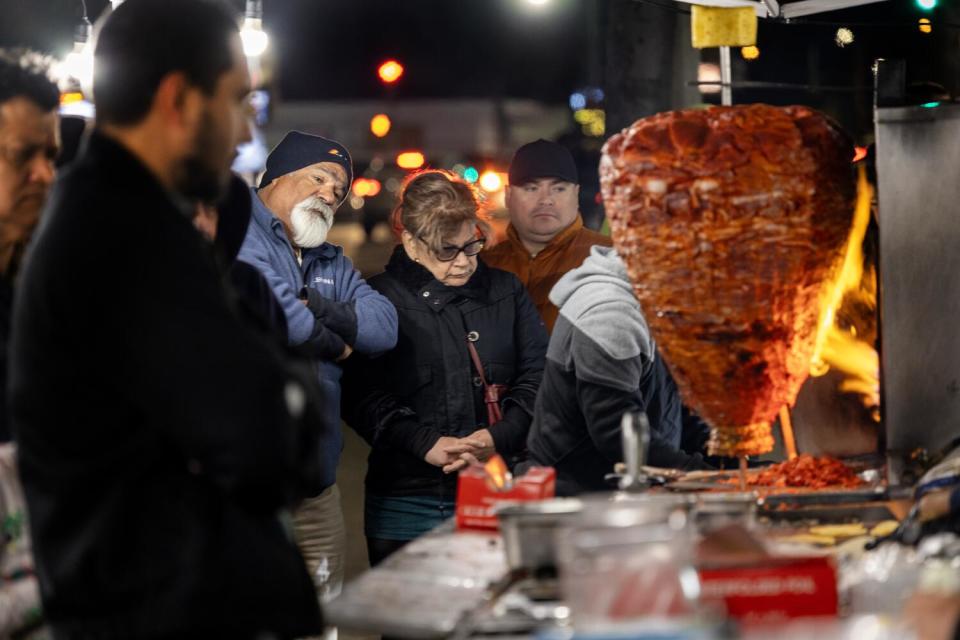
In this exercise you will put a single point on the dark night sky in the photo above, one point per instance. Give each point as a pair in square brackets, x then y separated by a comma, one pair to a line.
[329, 49]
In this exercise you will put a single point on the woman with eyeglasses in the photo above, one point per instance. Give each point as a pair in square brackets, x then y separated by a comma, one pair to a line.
[421, 406]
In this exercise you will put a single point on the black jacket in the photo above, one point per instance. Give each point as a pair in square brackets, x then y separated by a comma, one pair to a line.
[160, 439]
[427, 387]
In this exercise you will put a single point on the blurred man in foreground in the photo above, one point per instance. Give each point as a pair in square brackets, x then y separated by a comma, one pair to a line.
[161, 440]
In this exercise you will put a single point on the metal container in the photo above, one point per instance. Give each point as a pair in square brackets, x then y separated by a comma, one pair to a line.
[917, 153]
[628, 559]
[529, 531]
[715, 510]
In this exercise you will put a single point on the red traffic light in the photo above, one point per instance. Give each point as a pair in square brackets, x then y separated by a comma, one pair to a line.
[390, 71]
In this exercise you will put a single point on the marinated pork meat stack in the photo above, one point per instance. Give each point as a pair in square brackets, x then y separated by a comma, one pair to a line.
[730, 221]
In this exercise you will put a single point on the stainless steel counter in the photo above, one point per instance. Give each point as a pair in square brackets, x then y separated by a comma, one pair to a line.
[426, 589]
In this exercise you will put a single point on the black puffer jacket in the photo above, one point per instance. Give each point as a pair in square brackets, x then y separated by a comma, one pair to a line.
[427, 387]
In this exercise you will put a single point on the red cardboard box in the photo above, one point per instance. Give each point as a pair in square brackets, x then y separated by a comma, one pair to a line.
[477, 502]
[781, 588]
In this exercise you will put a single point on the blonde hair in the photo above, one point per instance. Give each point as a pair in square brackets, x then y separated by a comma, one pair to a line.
[434, 204]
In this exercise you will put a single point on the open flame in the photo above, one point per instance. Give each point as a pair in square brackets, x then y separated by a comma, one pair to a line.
[839, 347]
[497, 473]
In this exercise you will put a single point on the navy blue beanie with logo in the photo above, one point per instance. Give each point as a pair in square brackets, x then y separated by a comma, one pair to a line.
[298, 150]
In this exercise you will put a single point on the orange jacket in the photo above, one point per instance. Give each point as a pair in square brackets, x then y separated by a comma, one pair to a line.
[540, 272]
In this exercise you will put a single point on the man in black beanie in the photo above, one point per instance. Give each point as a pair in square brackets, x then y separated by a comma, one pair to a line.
[330, 310]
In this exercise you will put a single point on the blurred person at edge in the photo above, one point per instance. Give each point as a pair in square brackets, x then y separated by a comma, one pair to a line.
[161, 441]
[29, 145]
[936, 616]
[330, 311]
[421, 406]
[546, 237]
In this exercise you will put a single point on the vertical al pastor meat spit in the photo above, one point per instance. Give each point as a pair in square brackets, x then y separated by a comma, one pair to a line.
[730, 221]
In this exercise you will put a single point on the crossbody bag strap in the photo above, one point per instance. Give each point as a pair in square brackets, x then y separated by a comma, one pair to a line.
[476, 362]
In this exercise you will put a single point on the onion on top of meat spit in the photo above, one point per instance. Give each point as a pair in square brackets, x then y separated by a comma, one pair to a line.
[730, 221]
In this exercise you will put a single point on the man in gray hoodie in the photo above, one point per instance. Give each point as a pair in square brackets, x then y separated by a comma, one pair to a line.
[601, 363]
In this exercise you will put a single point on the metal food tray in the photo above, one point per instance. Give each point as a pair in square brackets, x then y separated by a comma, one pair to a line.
[425, 589]
[824, 497]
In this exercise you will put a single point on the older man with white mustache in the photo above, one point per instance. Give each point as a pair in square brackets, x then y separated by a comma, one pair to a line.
[330, 309]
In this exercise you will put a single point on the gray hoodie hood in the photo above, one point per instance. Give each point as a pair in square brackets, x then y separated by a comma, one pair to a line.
[597, 298]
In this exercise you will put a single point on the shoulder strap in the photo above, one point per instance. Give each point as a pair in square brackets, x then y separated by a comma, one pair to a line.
[476, 362]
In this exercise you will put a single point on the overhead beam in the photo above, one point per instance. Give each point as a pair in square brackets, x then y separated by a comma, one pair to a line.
[772, 7]
[810, 7]
[787, 10]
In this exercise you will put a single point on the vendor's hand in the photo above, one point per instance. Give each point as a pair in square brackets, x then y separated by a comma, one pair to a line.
[447, 450]
[347, 350]
[483, 435]
[933, 616]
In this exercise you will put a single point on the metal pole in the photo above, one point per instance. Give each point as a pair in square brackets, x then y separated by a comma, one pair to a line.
[726, 76]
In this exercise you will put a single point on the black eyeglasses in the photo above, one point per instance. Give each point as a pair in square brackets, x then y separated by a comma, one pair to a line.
[449, 253]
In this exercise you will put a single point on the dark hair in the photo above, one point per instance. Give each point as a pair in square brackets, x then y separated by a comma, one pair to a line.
[25, 73]
[145, 40]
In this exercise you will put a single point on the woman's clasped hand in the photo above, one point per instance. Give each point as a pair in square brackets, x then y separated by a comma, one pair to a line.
[454, 454]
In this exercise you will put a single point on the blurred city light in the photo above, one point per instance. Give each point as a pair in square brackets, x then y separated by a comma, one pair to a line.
[392, 185]
[750, 53]
[70, 97]
[708, 72]
[471, 175]
[538, 3]
[356, 202]
[410, 160]
[376, 164]
[490, 181]
[252, 35]
[925, 25]
[366, 187]
[591, 121]
[927, 5]
[78, 64]
[390, 71]
[72, 103]
[930, 105]
[380, 125]
[859, 153]
[844, 37]
[578, 101]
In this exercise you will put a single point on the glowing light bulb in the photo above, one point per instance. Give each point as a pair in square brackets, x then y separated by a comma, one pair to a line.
[844, 37]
